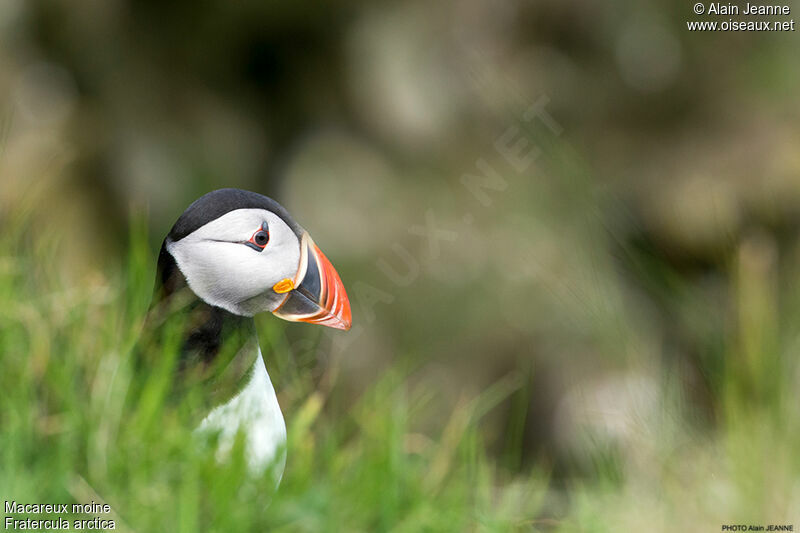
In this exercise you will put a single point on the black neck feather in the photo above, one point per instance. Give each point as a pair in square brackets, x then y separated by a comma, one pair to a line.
[213, 348]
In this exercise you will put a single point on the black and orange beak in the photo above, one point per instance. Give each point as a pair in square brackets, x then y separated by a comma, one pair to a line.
[316, 294]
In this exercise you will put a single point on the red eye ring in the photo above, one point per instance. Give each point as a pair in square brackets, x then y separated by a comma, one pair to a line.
[260, 238]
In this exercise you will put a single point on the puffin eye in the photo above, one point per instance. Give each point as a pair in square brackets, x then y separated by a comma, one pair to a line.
[258, 241]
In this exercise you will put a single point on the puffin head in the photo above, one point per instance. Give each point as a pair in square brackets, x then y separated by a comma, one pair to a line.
[243, 252]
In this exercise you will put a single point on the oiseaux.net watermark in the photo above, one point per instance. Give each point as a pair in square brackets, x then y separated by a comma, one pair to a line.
[401, 267]
[749, 17]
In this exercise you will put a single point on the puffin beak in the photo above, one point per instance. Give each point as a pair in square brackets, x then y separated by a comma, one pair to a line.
[316, 294]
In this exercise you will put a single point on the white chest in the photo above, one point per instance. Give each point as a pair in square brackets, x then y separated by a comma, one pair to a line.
[254, 411]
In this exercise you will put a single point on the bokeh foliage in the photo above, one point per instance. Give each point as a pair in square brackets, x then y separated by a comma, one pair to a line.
[609, 344]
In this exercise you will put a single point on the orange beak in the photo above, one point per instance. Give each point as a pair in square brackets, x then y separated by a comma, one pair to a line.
[316, 294]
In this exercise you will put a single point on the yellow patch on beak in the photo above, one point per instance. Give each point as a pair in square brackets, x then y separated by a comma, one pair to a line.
[283, 286]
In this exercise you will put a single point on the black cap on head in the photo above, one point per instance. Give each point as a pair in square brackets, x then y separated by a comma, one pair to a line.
[213, 205]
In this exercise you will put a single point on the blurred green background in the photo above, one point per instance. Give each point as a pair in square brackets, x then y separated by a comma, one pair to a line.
[601, 335]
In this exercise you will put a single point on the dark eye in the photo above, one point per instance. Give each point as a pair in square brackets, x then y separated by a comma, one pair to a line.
[259, 239]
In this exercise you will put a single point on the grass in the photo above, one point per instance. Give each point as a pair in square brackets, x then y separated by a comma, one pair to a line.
[65, 437]
[363, 466]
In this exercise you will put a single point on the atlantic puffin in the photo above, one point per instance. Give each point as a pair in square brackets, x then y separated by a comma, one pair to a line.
[231, 255]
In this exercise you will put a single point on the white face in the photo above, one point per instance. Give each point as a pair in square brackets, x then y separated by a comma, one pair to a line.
[227, 273]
